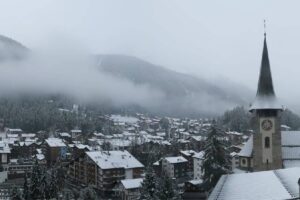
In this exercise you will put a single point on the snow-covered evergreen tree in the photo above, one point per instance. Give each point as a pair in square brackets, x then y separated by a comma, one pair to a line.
[88, 193]
[53, 184]
[216, 158]
[167, 189]
[35, 181]
[44, 187]
[15, 194]
[149, 185]
[26, 193]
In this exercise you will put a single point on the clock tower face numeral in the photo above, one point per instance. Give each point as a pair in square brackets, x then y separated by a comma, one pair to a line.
[267, 124]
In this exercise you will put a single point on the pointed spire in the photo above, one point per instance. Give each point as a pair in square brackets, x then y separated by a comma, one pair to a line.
[265, 96]
[265, 83]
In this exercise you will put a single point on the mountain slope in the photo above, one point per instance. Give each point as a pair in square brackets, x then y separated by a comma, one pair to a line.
[185, 93]
[11, 49]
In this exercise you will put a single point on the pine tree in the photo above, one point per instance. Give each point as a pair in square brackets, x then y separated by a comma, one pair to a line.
[15, 194]
[26, 193]
[88, 193]
[35, 181]
[44, 187]
[53, 185]
[149, 185]
[167, 189]
[216, 158]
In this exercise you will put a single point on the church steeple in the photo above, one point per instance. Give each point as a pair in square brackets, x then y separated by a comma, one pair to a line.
[265, 95]
[266, 120]
[265, 83]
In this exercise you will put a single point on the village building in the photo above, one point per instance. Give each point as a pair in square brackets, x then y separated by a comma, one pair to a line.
[188, 155]
[131, 189]
[174, 167]
[55, 149]
[4, 153]
[197, 165]
[105, 169]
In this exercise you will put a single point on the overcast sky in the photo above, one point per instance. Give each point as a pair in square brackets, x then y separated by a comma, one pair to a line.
[205, 38]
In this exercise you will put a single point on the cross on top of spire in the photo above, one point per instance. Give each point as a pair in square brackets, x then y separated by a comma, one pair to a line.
[265, 28]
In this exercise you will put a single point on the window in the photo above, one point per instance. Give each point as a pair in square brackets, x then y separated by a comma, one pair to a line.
[243, 161]
[267, 142]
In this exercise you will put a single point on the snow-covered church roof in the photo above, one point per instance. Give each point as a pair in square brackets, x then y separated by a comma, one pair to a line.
[247, 148]
[290, 148]
[276, 184]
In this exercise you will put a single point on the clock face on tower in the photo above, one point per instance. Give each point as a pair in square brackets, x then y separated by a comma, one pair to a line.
[266, 124]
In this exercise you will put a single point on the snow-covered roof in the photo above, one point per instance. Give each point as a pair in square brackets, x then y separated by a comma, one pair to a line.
[161, 134]
[266, 102]
[76, 131]
[114, 159]
[199, 155]
[291, 163]
[4, 148]
[132, 183]
[247, 148]
[234, 133]
[12, 135]
[188, 152]
[290, 142]
[15, 130]
[55, 142]
[98, 134]
[285, 126]
[82, 146]
[177, 159]
[278, 184]
[233, 154]
[28, 135]
[290, 153]
[196, 182]
[65, 134]
[117, 135]
[119, 142]
[183, 141]
[199, 138]
[40, 156]
[290, 138]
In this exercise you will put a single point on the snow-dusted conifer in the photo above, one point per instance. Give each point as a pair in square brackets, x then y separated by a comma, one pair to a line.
[216, 157]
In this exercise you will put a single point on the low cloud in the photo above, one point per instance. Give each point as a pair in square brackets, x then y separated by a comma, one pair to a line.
[68, 69]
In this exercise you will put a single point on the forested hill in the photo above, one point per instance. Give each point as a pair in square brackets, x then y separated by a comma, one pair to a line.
[186, 94]
[181, 94]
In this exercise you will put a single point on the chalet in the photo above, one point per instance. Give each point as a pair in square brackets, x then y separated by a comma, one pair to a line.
[130, 188]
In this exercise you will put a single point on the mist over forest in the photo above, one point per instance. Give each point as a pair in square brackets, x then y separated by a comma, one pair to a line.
[111, 81]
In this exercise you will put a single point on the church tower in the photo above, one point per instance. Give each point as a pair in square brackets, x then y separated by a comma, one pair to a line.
[266, 120]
